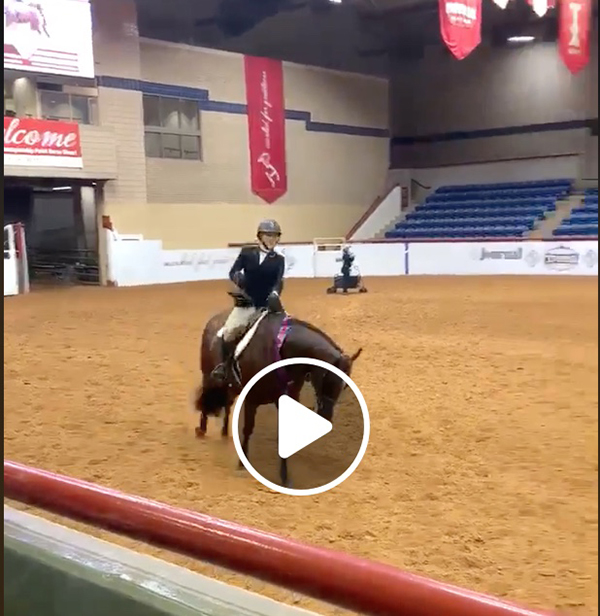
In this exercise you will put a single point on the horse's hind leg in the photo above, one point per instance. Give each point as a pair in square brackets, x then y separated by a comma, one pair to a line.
[283, 473]
[249, 420]
[202, 426]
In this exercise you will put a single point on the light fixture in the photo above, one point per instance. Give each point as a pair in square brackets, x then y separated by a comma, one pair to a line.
[335, 1]
[61, 188]
[521, 39]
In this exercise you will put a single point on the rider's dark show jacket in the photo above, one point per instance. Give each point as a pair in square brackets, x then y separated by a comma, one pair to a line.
[258, 279]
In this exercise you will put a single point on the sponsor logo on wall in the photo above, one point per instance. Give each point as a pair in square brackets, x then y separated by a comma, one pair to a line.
[561, 258]
[590, 258]
[501, 255]
[200, 260]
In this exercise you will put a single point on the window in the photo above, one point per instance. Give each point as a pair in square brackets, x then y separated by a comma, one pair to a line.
[19, 97]
[172, 128]
[68, 107]
[9, 99]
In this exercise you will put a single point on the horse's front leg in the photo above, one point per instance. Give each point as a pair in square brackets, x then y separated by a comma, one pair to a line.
[294, 389]
[225, 428]
[249, 420]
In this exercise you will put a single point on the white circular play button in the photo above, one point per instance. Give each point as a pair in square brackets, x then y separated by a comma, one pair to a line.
[297, 427]
[320, 454]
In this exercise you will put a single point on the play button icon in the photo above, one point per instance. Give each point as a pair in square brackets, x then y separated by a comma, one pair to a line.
[321, 445]
[298, 427]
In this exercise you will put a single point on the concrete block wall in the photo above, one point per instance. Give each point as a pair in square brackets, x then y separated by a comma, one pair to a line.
[117, 53]
[336, 136]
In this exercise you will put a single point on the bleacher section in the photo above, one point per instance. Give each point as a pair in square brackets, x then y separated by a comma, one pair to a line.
[583, 221]
[482, 210]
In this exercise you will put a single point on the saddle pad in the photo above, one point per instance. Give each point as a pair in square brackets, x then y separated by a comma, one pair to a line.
[245, 341]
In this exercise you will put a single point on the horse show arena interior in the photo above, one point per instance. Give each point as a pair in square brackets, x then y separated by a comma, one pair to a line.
[483, 393]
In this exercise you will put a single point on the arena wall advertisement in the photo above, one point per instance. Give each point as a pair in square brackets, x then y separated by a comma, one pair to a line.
[136, 261]
[49, 36]
[504, 258]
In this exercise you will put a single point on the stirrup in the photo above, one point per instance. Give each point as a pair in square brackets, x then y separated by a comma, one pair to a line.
[220, 372]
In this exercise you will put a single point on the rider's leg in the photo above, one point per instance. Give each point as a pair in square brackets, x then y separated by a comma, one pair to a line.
[227, 337]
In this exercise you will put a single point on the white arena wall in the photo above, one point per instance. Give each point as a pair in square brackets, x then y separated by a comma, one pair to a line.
[135, 261]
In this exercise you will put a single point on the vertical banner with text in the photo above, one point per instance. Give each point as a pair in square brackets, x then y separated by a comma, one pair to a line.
[574, 26]
[266, 127]
[460, 25]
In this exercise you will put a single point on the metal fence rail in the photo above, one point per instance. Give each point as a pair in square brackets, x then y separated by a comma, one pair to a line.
[341, 579]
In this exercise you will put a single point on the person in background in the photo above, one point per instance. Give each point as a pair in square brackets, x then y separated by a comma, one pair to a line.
[347, 261]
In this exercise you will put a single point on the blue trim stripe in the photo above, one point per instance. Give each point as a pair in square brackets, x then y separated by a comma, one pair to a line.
[503, 131]
[206, 104]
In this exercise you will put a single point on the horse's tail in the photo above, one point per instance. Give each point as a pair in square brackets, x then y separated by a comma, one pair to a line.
[209, 400]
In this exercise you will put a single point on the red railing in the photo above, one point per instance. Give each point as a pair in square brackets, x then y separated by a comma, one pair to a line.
[344, 580]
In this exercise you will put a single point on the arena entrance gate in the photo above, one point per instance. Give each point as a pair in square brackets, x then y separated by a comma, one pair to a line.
[61, 223]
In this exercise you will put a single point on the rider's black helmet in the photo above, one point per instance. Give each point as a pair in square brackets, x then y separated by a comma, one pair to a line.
[268, 226]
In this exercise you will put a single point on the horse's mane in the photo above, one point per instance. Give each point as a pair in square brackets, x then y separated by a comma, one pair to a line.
[315, 329]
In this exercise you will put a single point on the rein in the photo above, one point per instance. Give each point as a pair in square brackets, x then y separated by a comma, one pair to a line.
[284, 329]
[282, 374]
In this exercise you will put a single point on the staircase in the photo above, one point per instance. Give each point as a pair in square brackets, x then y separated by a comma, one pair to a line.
[392, 224]
[418, 193]
[553, 219]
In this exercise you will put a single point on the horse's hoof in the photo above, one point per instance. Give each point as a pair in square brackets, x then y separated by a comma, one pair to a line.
[224, 434]
[200, 433]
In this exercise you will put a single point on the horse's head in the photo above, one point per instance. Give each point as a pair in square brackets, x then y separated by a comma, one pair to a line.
[329, 387]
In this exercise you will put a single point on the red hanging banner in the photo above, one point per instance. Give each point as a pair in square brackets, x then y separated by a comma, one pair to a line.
[266, 127]
[460, 24]
[574, 25]
[541, 7]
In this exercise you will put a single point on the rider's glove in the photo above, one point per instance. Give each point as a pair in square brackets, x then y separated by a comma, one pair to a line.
[274, 302]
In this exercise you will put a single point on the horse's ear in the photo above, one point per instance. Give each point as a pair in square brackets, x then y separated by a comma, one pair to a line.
[356, 355]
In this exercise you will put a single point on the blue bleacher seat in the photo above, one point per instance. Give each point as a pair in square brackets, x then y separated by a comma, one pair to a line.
[582, 221]
[484, 210]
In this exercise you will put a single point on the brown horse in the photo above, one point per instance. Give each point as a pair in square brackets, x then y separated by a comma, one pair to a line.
[301, 339]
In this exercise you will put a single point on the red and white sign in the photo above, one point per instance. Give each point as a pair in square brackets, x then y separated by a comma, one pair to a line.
[29, 142]
[460, 25]
[49, 36]
[540, 7]
[574, 26]
[266, 127]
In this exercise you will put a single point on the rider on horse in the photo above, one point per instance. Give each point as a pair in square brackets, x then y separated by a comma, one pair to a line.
[258, 272]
